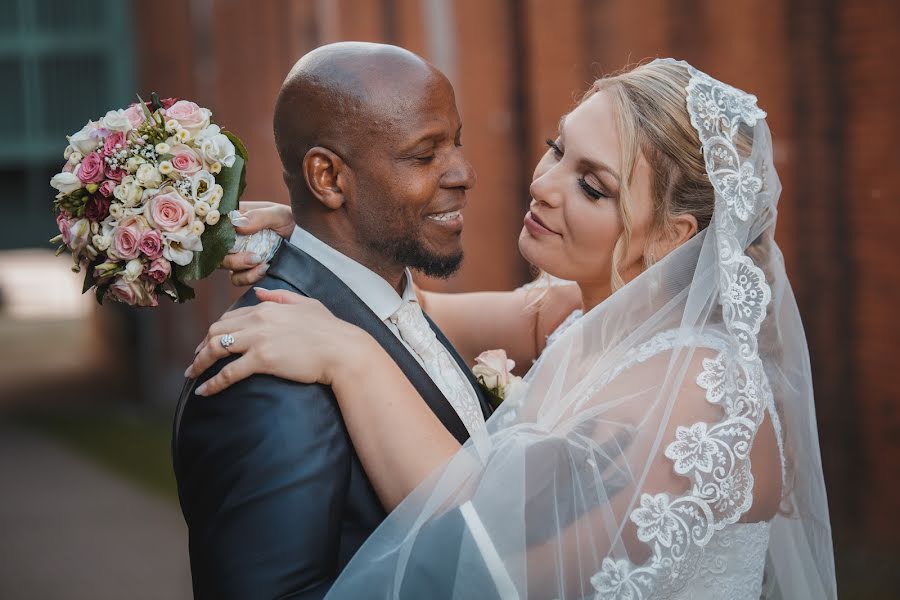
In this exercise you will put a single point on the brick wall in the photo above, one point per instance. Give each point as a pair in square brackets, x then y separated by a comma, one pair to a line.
[825, 70]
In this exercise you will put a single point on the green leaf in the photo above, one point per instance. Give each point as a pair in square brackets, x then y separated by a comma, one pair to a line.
[238, 145]
[182, 290]
[147, 115]
[217, 239]
[89, 274]
[101, 292]
[154, 101]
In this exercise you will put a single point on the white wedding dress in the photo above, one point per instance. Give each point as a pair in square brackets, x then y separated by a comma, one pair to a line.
[621, 468]
[734, 561]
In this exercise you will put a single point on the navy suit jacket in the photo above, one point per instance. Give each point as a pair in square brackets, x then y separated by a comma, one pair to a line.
[273, 493]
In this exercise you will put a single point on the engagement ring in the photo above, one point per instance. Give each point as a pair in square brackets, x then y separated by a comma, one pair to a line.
[226, 340]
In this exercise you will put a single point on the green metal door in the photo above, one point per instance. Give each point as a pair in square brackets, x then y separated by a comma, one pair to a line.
[61, 64]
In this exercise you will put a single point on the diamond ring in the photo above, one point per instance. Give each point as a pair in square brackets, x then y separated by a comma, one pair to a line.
[226, 340]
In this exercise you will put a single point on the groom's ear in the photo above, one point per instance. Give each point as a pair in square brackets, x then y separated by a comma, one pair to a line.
[326, 175]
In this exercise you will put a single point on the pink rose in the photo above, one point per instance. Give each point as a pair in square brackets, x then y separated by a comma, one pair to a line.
[151, 244]
[134, 293]
[189, 115]
[168, 211]
[107, 188]
[112, 141]
[114, 174]
[185, 160]
[126, 241]
[159, 270]
[92, 168]
[97, 208]
[135, 115]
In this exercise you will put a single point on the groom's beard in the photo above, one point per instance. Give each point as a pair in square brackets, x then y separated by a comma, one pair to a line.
[409, 252]
[414, 256]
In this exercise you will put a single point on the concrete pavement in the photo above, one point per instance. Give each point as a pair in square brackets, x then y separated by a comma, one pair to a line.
[71, 530]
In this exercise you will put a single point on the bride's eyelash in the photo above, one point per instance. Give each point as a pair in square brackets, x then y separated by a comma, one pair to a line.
[590, 191]
[555, 147]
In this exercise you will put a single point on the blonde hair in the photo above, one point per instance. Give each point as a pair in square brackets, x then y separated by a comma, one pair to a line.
[653, 121]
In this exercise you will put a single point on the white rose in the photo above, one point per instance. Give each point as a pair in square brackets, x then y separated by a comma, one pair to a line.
[101, 242]
[148, 176]
[116, 120]
[215, 146]
[213, 217]
[132, 164]
[68, 151]
[133, 269]
[493, 368]
[129, 192]
[87, 139]
[65, 182]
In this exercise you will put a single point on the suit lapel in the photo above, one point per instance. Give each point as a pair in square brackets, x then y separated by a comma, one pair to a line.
[298, 269]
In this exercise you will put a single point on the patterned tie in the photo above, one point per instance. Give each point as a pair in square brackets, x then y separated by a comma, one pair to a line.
[440, 366]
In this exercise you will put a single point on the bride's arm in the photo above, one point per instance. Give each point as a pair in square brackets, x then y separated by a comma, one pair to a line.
[397, 437]
[473, 322]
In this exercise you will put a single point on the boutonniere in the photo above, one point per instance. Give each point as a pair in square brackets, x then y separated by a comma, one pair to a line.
[493, 370]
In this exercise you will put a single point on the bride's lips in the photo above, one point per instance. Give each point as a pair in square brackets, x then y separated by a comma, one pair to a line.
[535, 226]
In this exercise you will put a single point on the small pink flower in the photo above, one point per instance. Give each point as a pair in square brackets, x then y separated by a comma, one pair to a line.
[92, 168]
[151, 244]
[134, 293]
[97, 208]
[114, 174]
[107, 188]
[185, 160]
[169, 212]
[126, 242]
[65, 225]
[113, 143]
[159, 270]
[135, 115]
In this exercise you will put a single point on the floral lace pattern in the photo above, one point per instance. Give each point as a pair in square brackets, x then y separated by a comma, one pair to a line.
[714, 457]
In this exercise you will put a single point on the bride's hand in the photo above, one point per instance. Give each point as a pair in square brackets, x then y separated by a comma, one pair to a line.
[288, 335]
[255, 216]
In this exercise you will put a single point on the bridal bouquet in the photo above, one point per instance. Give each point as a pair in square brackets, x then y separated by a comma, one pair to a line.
[141, 198]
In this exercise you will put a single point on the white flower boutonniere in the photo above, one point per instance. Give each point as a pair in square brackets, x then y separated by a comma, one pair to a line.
[493, 370]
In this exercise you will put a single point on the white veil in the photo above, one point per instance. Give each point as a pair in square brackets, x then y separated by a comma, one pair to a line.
[648, 434]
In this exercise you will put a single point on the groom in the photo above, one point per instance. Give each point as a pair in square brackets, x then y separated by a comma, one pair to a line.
[274, 495]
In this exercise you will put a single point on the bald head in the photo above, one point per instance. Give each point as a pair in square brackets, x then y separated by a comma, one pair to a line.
[340, 95]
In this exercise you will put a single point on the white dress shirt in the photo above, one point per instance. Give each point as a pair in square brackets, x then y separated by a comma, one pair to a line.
[371, 288]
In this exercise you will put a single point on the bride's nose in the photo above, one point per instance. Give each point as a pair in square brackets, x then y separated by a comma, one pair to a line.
[546, 190]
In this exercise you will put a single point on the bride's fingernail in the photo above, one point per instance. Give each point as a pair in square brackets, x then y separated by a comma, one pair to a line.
[237, 219]
[200, 390]
[187, 373]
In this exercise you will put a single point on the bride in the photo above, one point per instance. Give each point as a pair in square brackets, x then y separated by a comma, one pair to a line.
[663, 445]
